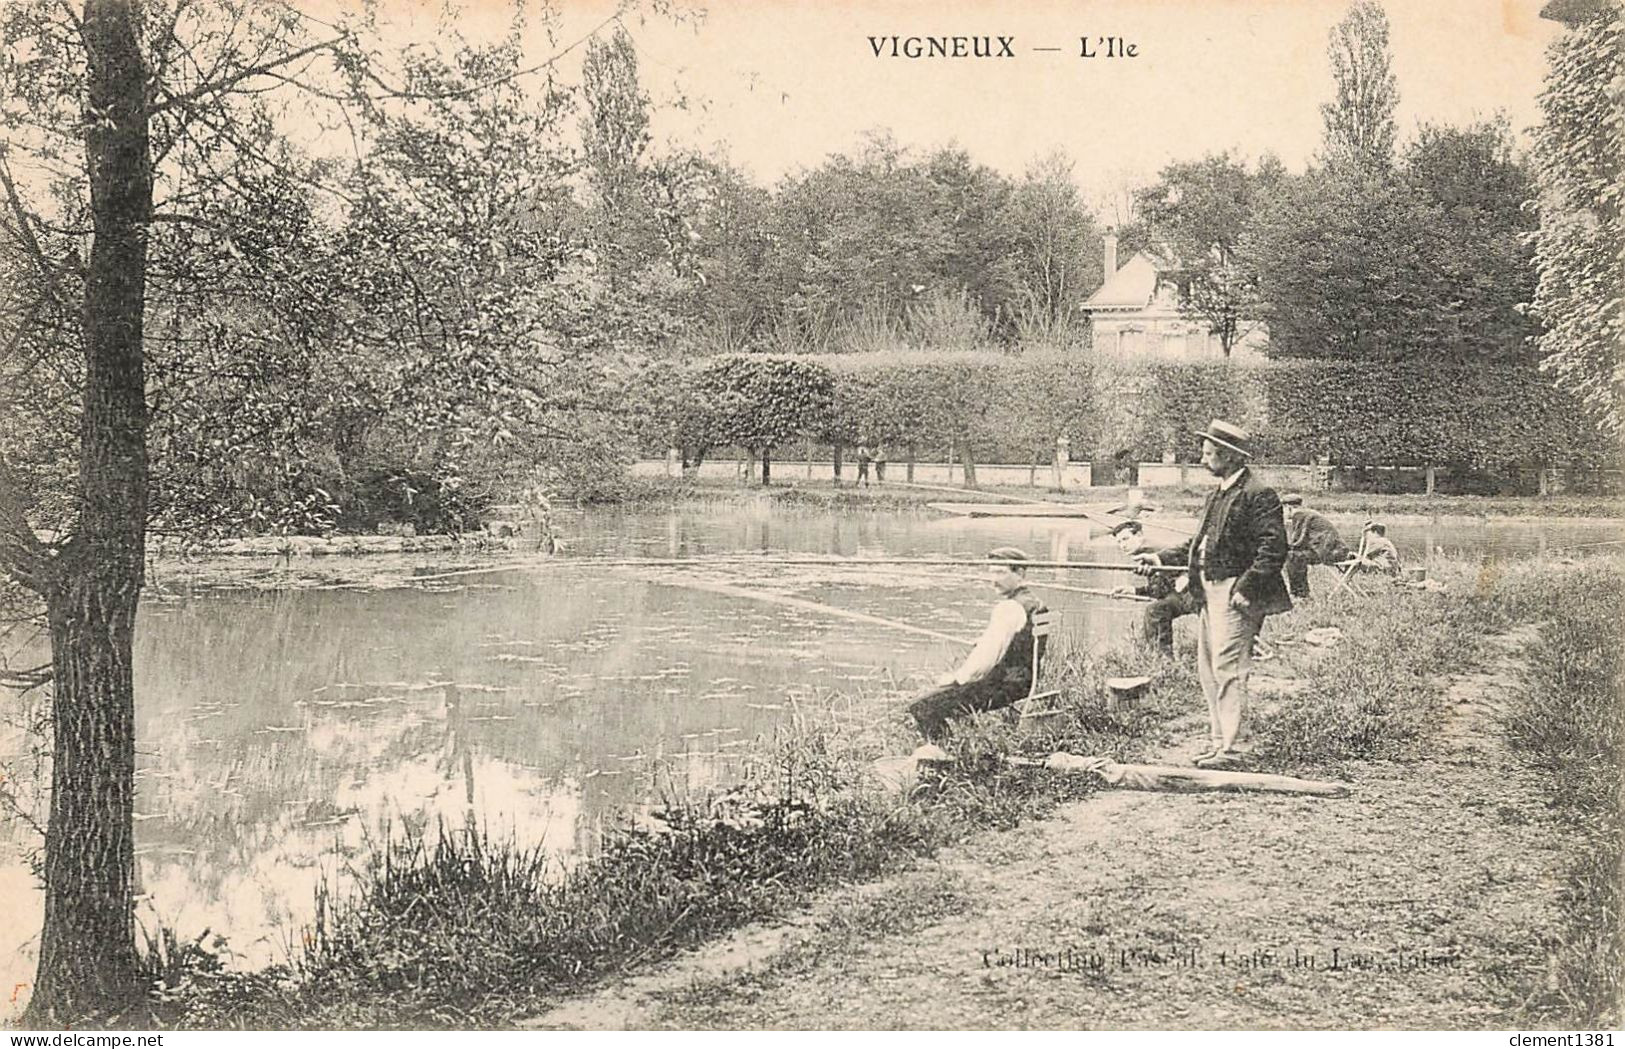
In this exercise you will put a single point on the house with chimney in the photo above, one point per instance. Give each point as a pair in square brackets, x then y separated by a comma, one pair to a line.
[1136, 312]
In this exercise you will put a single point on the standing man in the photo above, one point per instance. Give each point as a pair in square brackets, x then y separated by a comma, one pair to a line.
[1168, 602]
[1234, 566]
[999, 670]
[1310, 540]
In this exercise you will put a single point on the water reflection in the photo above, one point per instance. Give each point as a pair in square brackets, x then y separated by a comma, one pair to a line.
[282, 734]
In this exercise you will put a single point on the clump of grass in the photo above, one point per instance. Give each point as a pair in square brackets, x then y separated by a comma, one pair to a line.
[459, 929]
[1567, 717]
[1377, 694]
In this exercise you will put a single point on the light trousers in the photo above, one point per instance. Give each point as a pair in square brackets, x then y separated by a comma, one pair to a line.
[1224, 655]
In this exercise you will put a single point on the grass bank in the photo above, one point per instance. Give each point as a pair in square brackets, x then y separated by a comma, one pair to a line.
[1569, 719]
[453, 929]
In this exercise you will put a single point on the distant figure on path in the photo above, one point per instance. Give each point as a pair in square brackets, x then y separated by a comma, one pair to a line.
[999, 670]
[1234, 561]
[1310, 540]
[880, 464]
[864, 458]
[1168, 601]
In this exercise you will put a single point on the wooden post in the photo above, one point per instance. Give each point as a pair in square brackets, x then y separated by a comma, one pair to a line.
[950, 463]
[911, 458]
[1429, 475]
[835, 451]
[809, 458]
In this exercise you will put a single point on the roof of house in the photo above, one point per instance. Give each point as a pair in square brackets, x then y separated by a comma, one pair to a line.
[1132, 287]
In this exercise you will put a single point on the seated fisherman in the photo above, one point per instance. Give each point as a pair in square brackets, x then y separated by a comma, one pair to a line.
[1168, 601]
[999, 670]
[1310, 540]
[1377, 551]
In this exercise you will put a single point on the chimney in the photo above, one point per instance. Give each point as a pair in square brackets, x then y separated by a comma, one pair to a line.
[1111, 254]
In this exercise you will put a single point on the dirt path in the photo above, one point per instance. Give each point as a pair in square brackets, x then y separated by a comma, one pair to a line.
[1167, 910]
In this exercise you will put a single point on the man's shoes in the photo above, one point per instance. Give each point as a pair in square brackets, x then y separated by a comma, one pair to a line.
[1204, 755]
[1224, 759]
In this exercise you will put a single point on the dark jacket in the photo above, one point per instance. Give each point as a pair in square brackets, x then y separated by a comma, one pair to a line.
[1316, 537]
[1242, 535]
[1158, 586]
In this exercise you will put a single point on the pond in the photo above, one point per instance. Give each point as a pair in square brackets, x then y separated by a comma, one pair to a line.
[281, 733]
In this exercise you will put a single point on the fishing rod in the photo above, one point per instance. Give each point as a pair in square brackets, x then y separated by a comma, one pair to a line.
[1093, 590]
[827, 562]
[787, 601]
[847, 562]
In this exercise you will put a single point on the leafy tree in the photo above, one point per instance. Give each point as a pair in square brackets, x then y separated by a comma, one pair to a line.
[854, 235]
[1359, 121]
[1428, 261]
[969, 209]
[136, 73]
[1581, 239]
[1343, 268]
[1056, 250]
[1197, 215]
[1477, 239]
[633, 224]
[727, 234]
[224, 327]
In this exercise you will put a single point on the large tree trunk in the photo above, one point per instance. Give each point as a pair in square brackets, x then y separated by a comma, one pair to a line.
[87, 963]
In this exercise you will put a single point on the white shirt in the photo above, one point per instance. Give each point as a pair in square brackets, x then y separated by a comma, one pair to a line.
[1009, 617]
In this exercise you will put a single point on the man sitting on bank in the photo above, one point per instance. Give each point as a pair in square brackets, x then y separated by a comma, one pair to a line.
[1310, 540]
[999, 670]
[1168, 601]
[1377, 551]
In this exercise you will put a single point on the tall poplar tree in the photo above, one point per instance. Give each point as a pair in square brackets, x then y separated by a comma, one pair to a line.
[1360, 128]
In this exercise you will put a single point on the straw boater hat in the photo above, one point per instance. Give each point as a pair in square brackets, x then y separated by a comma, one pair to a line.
[1292, 499]
[1228, 435]
[1009, 553]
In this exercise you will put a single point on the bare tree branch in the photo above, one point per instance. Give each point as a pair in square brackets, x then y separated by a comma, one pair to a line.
[249, 73]
[25, 234]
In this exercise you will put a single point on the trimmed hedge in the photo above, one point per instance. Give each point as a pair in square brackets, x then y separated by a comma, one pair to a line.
[998, 407]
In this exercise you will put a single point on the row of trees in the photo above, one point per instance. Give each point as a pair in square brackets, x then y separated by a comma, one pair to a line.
[1377, 253]
[1011, 408]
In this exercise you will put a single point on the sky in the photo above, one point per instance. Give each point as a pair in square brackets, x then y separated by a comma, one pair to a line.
[780, 85]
